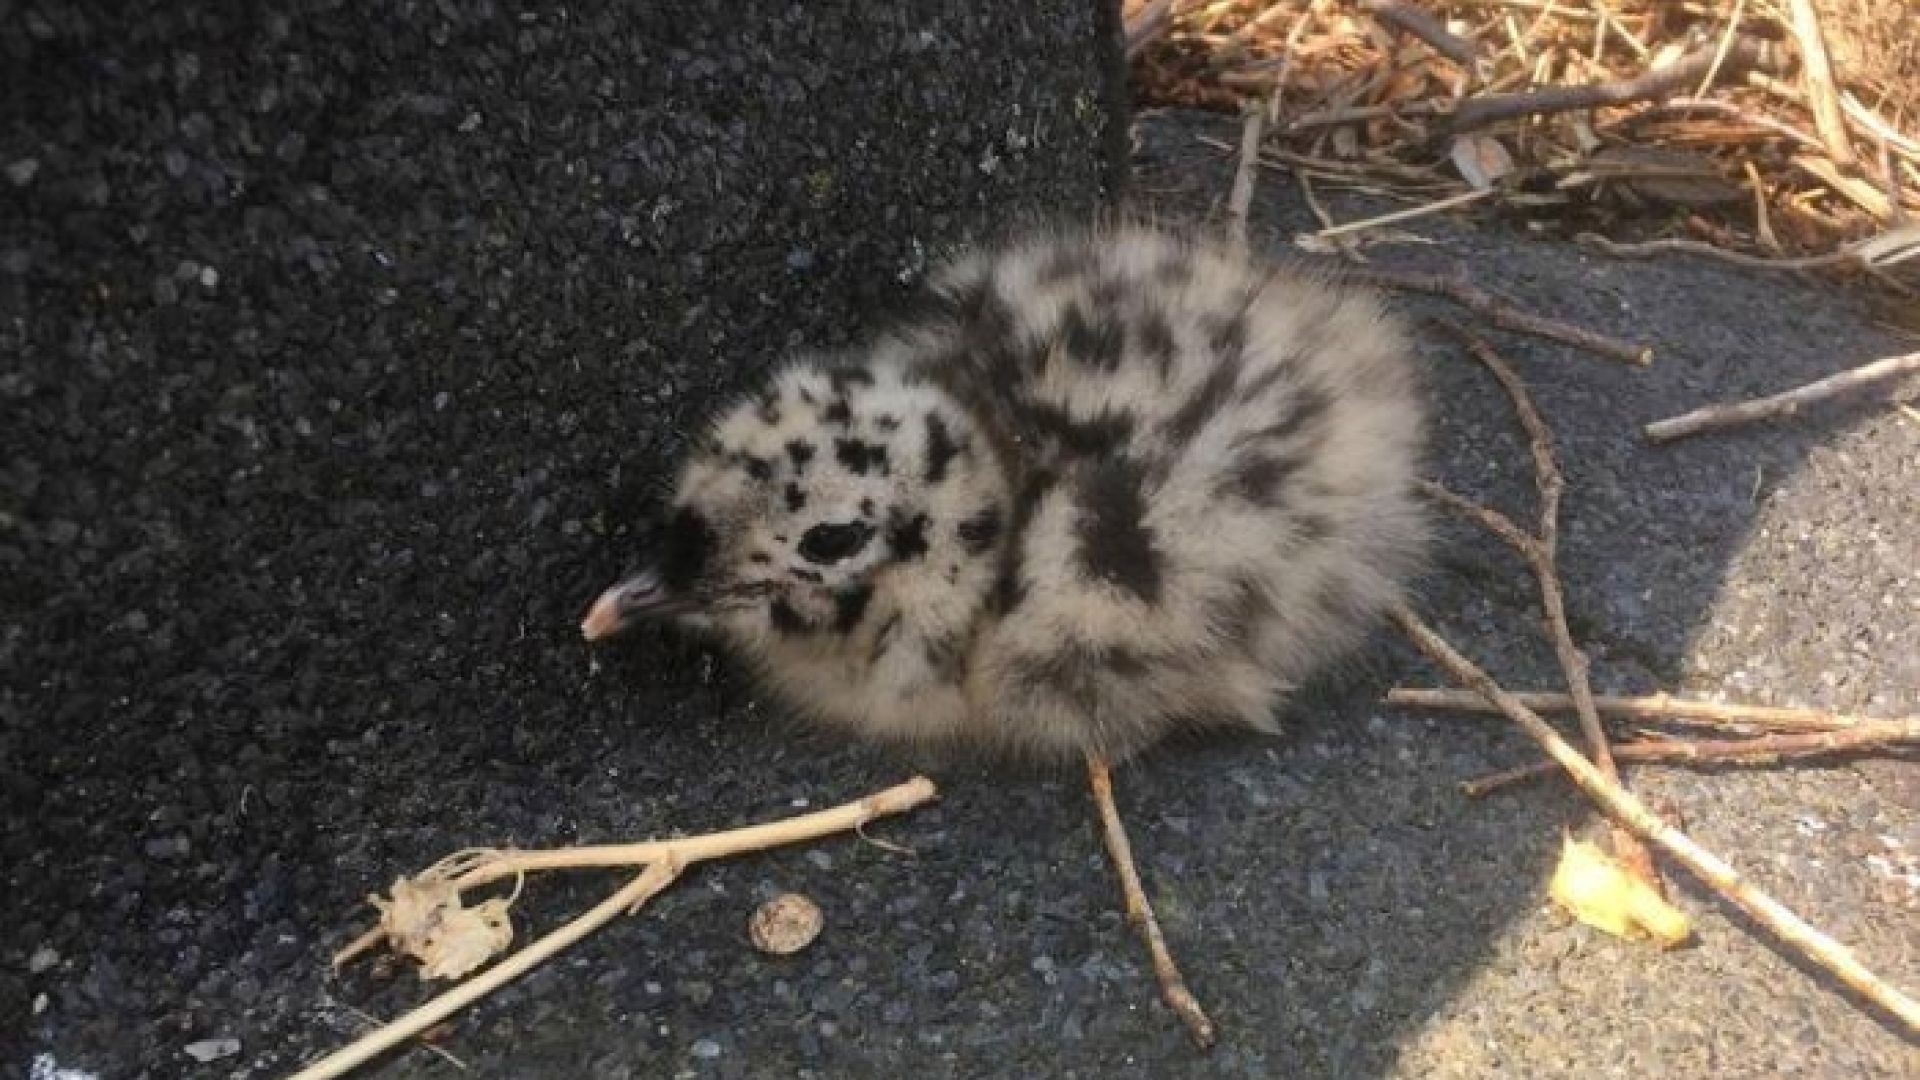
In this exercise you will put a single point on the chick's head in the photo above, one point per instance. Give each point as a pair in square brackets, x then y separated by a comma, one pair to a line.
[833, 487]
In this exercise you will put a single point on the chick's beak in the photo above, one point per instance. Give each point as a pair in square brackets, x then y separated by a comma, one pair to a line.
[640, 596]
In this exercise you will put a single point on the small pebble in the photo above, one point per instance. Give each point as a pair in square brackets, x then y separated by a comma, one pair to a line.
[42, 960]
[168, 847]
[706, 1049]
[212, 1049]
[785, 924]
[22, 172]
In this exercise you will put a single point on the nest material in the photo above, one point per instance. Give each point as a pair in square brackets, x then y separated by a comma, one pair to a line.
[1709, 117]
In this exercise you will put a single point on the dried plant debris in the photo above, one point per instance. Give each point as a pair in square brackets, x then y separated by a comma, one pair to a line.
[1598, 891]
[424, 918]
[1771, 127]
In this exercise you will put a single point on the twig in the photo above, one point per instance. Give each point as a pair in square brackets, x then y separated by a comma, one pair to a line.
[1542, 551]
[1347, 249]
[1759, 750]
[1623, 807]
[1351, 113]
[1858, 192]
[1145, 26]
[1716, 417]
[1409, 19]
[1424, 209]
[663, 861]
[1652, 707]
[1173, 988]
[1502, 313]
[499, 864]
[1681, 75]
[1240, 200]
[373, 1021]
[1840, 257]
[1816, 73]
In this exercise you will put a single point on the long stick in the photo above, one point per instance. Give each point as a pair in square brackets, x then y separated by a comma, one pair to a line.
[1816, 74]
[695, 849]
[1678, 77]
[1173, 987]
[1500, 312]
[1759, 750]
[1623, 807]
[1715, 417]
[1542, 551]
[1650, 707]
[1240, 198]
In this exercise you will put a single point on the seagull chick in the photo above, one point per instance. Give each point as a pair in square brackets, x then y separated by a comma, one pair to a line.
[1097, 488]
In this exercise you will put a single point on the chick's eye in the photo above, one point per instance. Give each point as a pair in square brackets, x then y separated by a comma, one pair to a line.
[831, 543]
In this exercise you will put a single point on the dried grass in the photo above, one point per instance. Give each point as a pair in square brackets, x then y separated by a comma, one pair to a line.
[1732, 154]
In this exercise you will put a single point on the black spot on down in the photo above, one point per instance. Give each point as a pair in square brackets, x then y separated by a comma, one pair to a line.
[850, 606]
[907, 538]
[940, 449]
[858, 456]
[1115, 544]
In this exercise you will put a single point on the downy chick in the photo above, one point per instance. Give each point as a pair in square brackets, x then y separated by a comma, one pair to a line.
[1098, 487]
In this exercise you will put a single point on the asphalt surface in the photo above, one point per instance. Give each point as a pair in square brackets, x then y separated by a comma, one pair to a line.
[294, 552]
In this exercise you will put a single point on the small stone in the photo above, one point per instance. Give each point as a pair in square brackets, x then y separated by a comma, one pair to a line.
[785, 924]
[42, 960]
[212, 1049]
[22, 172]
[172, 847]
[706, 1049]
[209, 278]
[40, 1004]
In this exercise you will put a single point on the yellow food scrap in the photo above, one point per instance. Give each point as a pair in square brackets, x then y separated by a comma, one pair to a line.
[1600, 892]
[426, 920]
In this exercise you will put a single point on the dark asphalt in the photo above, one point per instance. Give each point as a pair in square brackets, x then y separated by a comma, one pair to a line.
[340, 351]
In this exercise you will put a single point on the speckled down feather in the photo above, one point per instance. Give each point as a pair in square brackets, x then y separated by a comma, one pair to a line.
[1096, 488]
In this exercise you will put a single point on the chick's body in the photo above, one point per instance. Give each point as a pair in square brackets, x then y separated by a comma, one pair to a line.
[1099, 487]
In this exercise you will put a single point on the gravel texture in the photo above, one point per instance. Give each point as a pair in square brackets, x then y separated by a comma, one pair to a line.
[341, 350]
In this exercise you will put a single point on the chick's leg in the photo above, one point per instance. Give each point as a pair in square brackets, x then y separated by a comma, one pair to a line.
[1173, 988]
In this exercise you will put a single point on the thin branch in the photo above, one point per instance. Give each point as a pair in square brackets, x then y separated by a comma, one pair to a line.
[693, 849]
[1816, 74]
[1716, 417]
[1501, 313]
[1173, 988]
[1437, 206]
[1410, 19]
[1240, 200]
[1653, 707]
[1145, 26]
[1623, 807]
[1841, 257]
[1759, 750]
[1543, 555]
[1681, 76]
